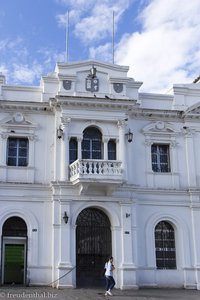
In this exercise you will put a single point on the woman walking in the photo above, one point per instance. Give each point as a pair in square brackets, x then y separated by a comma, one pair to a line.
[110, 282]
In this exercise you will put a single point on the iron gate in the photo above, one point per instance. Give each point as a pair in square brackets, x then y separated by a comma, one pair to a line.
[93, 246]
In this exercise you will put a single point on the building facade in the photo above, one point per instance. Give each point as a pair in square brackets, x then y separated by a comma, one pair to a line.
[90, 167]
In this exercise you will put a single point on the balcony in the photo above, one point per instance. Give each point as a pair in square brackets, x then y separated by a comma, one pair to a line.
[96, 175]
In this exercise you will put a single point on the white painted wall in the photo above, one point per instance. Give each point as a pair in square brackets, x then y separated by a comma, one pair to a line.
[42, 192]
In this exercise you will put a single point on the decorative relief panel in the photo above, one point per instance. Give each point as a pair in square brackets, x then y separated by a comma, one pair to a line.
[67, 84]
[92, 84]
[118, 87]
[18, 117]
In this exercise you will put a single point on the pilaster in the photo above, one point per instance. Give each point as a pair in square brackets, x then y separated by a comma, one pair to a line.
[190, 158]
[64, 162]
[122, 153]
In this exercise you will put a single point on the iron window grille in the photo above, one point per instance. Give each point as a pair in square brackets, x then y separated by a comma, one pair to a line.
[165, 246]
[160, 158]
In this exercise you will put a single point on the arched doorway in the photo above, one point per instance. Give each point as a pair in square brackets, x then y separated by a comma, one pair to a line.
[14, 251]
[93, 246]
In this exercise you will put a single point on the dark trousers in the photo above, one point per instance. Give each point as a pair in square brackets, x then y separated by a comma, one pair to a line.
[110, 282]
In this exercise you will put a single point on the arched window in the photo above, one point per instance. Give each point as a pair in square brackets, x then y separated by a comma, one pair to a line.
[165, 246]
[92, 144]
[72, 150]
[112, 150]
[14, 226]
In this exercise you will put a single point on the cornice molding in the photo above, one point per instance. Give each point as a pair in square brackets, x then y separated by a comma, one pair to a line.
[151, 114]
[24, 186]
[19, 88]
[25, 106]
[93, 102]
[158, 97]
[187, 90]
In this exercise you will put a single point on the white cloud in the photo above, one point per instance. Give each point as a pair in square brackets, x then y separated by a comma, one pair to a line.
[8, 44]
[73, 15]
[3, 70]
[92, 20]
[50, 57]
[103, 52]
[26, 74]
[167, 49]
[21, 67]
[77, 3]
[178, 14]
[94, 28]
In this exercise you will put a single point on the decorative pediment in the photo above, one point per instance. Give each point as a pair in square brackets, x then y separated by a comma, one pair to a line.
[159, 127]
[18, 120]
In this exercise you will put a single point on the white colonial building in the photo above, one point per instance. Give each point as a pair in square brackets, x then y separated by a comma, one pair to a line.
[90, 167]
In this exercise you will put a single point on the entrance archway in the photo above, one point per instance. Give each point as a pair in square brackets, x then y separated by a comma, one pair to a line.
[93, 246]
[14, 251]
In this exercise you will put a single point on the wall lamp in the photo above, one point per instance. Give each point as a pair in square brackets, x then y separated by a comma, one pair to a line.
[60, 133]
[65, 217]
[128, 215]
[129, 136]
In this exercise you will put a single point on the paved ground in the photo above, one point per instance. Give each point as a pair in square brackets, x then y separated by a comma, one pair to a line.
[96, 294]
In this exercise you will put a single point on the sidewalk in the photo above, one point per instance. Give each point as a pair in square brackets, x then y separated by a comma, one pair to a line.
[31, 293]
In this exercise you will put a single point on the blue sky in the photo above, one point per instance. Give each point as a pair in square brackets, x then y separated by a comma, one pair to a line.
[157, 39]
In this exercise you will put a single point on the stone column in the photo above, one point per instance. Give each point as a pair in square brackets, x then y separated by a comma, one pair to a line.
[174, 164]
[64, 158]
[127, 268]
[3, 145]
[31, 151]
[149, 172]
[79, 140]
[65, 264]
[122, 149]
[55, 238]
[105, 149]
[190, 158]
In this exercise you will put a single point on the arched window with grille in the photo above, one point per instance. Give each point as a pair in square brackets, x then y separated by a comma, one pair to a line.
[92, 143]
[165, 246]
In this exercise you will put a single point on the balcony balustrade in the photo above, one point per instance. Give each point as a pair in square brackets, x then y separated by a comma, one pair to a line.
[96, 170]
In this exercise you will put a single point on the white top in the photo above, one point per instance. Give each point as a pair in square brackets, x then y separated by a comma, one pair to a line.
[108, 267]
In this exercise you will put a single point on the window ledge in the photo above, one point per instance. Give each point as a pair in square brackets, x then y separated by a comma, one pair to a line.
[16, 167]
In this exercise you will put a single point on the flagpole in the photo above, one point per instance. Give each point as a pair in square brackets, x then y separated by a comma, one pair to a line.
[113, 39]
[67, 37]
